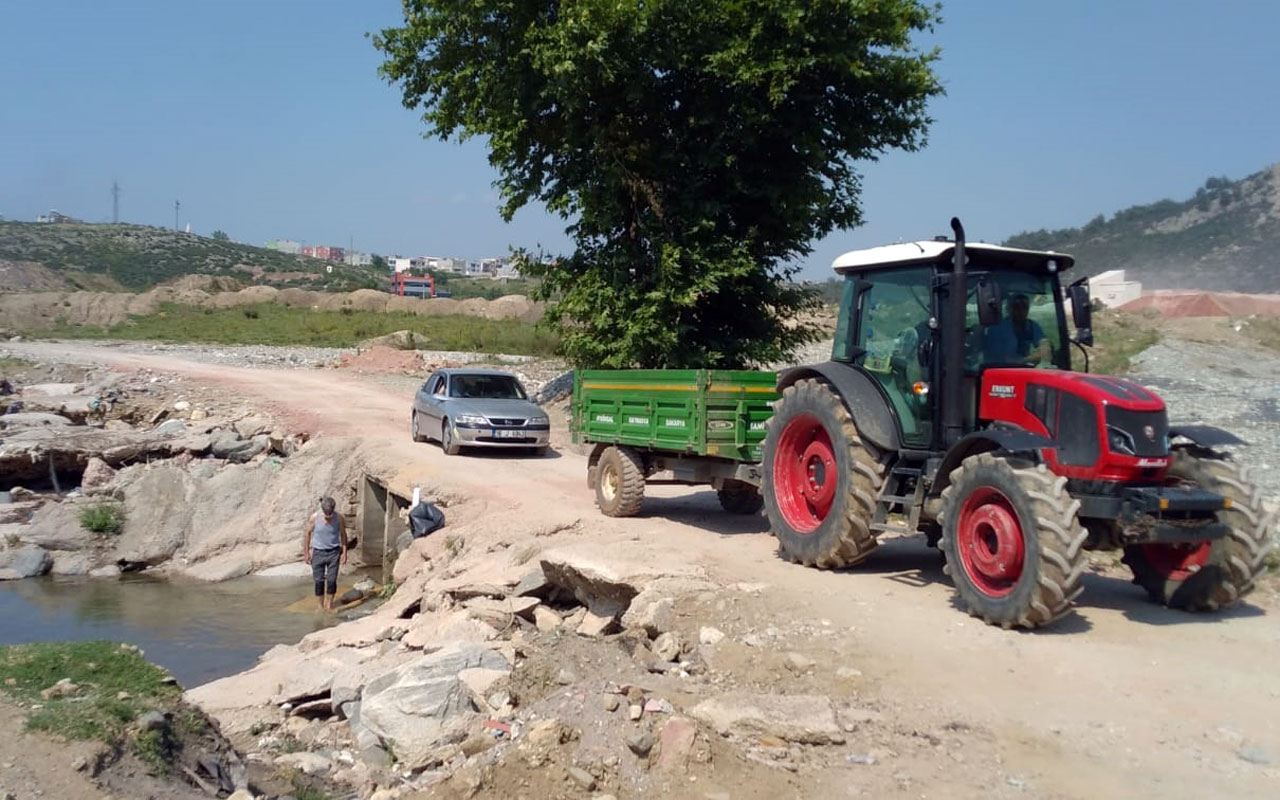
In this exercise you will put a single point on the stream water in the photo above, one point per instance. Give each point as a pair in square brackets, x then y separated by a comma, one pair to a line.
[198, 631]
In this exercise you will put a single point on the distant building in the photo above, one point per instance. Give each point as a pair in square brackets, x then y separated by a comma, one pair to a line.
[54, 217]
[1112, 289]
[358, 259]
[402, 264]
[285, 246]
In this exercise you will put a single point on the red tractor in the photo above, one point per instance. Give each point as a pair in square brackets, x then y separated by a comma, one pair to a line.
[949, 406]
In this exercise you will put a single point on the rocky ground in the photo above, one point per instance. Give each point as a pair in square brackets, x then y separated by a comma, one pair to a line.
[1233, 385]
[536, 649]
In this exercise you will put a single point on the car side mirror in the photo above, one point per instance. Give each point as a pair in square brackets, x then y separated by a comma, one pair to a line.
[988, 302]
[1082, 312]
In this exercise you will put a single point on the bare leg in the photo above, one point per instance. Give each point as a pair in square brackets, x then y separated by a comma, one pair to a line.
[329, 603]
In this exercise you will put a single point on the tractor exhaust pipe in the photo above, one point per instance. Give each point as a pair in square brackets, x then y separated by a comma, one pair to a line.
[953, 333]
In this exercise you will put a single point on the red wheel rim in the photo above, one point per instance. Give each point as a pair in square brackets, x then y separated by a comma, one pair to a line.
[1177, 562]
[804, 473]
[990, 542]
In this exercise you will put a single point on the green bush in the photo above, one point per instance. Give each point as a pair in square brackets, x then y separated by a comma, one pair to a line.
[103, 518]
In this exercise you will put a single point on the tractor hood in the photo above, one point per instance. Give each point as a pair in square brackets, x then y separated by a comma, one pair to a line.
[1102, 390]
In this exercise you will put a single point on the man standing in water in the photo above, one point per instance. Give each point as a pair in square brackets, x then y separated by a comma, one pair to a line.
[324, 547]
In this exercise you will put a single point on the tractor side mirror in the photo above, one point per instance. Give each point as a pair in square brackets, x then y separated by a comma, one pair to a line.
[988, 302]
[1082, 312]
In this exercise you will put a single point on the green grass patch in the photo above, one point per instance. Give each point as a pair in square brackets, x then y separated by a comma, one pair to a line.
[1118, 337]
[103, 518]
[1263, 330]
[271, 324]
[115, 685]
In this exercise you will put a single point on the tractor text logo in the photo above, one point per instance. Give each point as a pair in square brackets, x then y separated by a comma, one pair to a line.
[1003, 390]
[1149, 432]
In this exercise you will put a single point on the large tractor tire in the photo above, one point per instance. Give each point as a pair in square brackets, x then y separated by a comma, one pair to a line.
[1209, 575]
[1013, 541]
[820, 479]
[739, 497]
[619, 478]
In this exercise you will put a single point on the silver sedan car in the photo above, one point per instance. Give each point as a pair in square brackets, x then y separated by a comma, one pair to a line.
[462, 407]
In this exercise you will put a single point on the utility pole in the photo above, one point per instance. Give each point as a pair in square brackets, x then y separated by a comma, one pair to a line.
[115, 202]
[176, 205]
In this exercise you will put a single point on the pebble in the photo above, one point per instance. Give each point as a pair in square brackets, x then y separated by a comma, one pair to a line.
[610, 702]
[1254, 754]
[583, 778]
[710, 636]
[565, 677]
[798, 663]
[640, 743]
[634, 713]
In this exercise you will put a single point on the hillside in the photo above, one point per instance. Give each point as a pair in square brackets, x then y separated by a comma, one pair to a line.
[1225, 237]
[44, 257]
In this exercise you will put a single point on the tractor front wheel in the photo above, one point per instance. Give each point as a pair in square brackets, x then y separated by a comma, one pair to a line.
[619, 478]
[1013, 543]
[739, 497]
[1207, 576]
[820, 479]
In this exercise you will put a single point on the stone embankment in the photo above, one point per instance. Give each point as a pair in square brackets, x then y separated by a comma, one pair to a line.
[202, 487]
[31, 311]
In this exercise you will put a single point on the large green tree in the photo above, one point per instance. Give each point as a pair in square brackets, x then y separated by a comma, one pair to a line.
[696, 148]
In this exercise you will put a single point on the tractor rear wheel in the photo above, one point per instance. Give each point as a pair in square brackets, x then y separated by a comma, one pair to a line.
[1212, 575]
[1013, 541]
[619, 477]
[820, 479]
[739, 497]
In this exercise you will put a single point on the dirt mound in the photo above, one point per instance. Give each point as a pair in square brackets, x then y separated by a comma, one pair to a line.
[383, 360]
[28, 276]
[298, 298]
[1206, 304]
[209, 284]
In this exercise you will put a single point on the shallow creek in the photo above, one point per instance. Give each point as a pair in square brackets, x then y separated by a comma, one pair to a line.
[198, 631]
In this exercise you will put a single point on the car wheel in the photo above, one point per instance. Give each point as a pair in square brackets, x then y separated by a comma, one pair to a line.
[448, 444]
[414, 430]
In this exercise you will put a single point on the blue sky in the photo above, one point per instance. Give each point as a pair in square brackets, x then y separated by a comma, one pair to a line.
[267, 120]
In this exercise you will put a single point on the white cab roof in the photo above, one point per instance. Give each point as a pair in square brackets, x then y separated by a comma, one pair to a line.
[932, 251]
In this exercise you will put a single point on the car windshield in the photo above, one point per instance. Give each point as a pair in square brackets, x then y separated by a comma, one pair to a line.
[491, 387]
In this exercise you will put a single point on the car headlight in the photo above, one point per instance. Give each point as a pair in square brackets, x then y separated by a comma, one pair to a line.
[538, 421]
[1120, 441]
[470, 419]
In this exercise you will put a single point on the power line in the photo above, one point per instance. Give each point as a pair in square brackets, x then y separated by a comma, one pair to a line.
[115, 202]
[176, 205]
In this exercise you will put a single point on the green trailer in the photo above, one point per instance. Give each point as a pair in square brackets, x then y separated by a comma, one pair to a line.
[703, 427]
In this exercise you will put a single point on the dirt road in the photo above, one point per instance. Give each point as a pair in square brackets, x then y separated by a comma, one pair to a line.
[1125, 699]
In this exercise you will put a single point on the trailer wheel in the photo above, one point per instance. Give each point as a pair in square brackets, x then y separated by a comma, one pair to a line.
[619, 482]
[1013, 541]
[1208, 576]
[820, 479]
[740, 497]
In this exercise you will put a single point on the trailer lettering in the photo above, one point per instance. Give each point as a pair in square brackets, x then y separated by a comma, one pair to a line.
[604, 418]
[674, 423]
[637, 420]
[719, 425]
[757, 426]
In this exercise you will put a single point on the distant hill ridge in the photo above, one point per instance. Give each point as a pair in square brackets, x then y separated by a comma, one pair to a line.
[1225, 237]
[105, 257]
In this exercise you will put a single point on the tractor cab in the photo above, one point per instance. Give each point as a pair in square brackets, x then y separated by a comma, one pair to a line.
[950, 407]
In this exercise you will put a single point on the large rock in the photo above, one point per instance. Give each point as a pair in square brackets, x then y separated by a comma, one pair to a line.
[25, 561]
[606, 580]
[32, 419]
[807, 719]
[157, 512]
[97, 475]
[419, 706]
[49, 389]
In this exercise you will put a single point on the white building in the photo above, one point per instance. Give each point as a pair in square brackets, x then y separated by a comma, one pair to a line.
[355, 259]
[1112, 289]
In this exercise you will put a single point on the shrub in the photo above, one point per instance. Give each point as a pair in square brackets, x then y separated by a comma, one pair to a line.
[103, 518]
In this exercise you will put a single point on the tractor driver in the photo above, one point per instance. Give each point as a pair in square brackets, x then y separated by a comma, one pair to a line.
[1016, 339]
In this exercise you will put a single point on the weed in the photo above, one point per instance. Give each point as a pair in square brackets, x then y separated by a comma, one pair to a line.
[387, 589]
[8, 363]
[453, 544]
[250, 313]
[12, 539]
[1118, 337]
[103, 518]
[258, 728]
[116, 684]
[301, 791]
[156, 749]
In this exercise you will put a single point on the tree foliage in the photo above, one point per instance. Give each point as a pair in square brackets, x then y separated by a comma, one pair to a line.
[221, 235]
[696, 149]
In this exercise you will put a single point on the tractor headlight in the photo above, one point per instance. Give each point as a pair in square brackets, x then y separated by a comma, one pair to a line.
[1120, 441]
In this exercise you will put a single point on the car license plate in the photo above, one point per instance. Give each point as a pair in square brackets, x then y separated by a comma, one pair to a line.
[497, 434]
